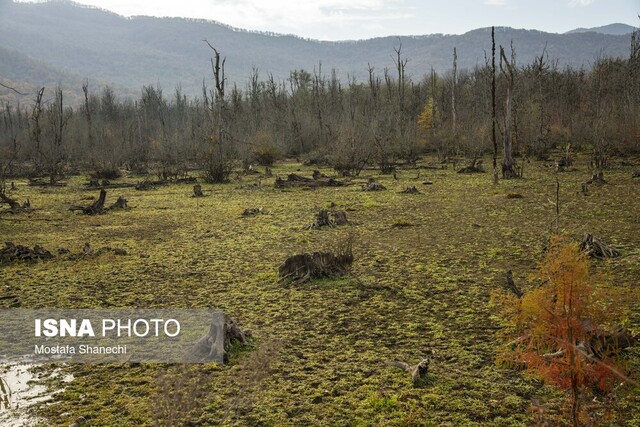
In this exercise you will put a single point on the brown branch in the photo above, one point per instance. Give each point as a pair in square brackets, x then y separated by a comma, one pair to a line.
[13, 89]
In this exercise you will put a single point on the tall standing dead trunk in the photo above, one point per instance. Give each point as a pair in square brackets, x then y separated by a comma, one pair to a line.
[493, 105]
[508, 170]
[454, 117]
[87, 114]
[36, 132]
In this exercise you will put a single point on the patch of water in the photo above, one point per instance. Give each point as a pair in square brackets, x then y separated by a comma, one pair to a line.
[22, 389]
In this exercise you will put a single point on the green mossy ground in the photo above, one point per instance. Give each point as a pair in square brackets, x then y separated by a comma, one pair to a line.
[320, 347]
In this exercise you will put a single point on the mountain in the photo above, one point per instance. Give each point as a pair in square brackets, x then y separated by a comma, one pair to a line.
[611, 29]
[63, 40]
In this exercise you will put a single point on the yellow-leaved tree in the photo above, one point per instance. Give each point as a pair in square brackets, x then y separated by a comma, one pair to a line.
[428, 118]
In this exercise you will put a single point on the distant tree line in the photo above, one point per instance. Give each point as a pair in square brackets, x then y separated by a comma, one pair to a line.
[383, 121]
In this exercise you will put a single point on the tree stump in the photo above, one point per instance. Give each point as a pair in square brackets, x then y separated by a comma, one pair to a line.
[121, 203]
[251, 212]
[418, 372]
[373, 185]
[95, 208]
[596, 248]
[303, 267]
[511, 286]
[215, 345]
[197, 191]
[410, 190]
[12, 253]
[326, 218]
[597, 179]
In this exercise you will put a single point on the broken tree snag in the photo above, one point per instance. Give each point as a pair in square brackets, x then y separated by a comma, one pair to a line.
[511, 286]
[373, 185]
[329, 219]
[418, 372]
[197, 191]
[222, 335]
[95, 208]
[596, 248]
[12, 253]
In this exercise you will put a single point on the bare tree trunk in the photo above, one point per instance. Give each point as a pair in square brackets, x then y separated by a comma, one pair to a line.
[507, 161]
[453, 92]
[37, 130]
[493, 105]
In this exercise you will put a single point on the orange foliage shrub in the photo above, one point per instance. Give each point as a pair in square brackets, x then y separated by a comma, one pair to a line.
[558, 320]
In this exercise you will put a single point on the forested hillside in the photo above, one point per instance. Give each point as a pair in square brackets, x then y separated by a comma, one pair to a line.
[129, 53]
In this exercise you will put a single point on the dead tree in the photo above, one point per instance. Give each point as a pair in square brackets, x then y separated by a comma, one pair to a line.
[506, 67]
[58, 119]
[36, 132]
[453, 91]
[493, 105]
[218, 163]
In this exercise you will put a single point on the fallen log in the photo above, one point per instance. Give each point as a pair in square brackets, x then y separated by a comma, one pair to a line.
[37, 182]
[14, 206]
[95, 185]
[295, 180]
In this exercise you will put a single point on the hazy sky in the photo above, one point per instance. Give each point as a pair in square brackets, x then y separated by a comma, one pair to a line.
[358, 19]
